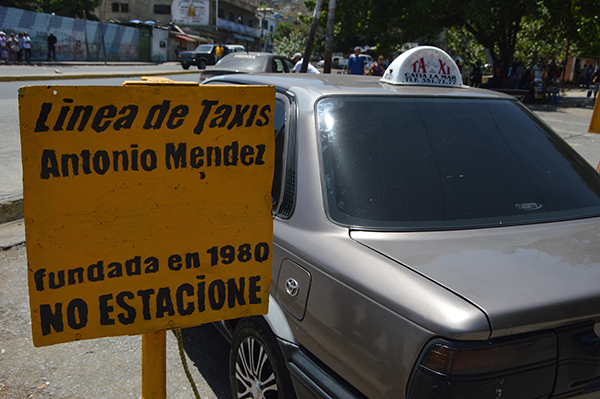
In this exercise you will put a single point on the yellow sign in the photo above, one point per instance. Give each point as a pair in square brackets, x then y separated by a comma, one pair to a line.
[147, 207]
[595, 122]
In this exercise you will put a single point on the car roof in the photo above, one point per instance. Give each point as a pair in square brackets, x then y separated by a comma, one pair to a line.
[254, 53]
[340, 84]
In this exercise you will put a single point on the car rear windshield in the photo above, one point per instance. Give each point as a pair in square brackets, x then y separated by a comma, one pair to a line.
[246, 62]
[430, 163]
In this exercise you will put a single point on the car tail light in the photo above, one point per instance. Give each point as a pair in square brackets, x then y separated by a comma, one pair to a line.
[517, 368]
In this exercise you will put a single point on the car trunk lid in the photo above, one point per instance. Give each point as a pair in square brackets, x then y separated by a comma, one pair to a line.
[524, 278]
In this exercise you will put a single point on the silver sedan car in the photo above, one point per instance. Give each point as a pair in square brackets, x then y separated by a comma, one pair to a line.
[430, 241]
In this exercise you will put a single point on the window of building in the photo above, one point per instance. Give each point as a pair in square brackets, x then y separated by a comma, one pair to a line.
[271, 28]
[120, 7]
[221, 13]
[162, 9]
[231, 17]
[251, 23]
[265, 24]
[240, 20]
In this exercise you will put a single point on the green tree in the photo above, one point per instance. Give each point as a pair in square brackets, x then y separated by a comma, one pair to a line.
[521, 28]
[293, 42]
[83, 9]
[22, 4]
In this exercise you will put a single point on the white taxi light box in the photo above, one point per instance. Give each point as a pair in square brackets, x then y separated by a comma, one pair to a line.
[425, 65]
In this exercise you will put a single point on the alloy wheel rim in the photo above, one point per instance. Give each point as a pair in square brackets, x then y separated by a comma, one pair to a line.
[254, 372]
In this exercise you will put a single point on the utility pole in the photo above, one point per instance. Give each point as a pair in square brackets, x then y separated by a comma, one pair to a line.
[102, 32]
[262, 26]
[311, 37]
[329, 37]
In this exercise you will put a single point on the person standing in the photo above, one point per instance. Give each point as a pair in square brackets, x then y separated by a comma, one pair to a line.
[20, 53]
[476, 74]
[51, 47]
[3, 47]
[218, 52]
[356, 65]
[588, 76]
[377, 68]
[297, 60]
[13, 48]
[27, 47]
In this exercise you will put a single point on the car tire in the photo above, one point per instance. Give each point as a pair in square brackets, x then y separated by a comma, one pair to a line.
[256, 365]
[185, 66]
[201, 64]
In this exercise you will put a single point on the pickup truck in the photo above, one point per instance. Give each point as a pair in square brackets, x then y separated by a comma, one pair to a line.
[204, 55]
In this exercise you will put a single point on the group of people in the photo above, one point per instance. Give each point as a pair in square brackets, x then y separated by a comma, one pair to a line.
[16, 48]
[543, 84]
[356, 65]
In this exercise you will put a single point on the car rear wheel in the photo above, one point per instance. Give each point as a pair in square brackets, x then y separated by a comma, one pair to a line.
[185, 66]
[201, 64]
[256, 366]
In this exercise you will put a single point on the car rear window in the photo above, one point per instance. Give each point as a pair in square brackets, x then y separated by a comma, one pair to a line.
[431, 163]
[204, 48]
[247, 62]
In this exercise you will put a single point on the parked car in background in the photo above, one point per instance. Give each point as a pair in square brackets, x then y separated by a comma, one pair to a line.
[431, 240]
[234, 48]
[204, 55]
[368, 59]
[336, 62]
[251, 62]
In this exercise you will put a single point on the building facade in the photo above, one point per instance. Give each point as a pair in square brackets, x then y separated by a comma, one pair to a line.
[268, 19]
[191, 22]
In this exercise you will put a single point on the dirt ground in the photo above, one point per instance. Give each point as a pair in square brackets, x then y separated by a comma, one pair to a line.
[99, 368]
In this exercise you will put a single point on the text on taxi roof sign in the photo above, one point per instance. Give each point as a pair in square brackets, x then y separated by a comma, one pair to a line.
[147, 207]
[424, 65]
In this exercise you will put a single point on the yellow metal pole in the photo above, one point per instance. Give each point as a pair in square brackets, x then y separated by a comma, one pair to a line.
[154, 365]
[595, 122]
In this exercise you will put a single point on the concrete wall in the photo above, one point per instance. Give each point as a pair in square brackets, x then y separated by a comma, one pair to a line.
[78, 40]
[160, 45]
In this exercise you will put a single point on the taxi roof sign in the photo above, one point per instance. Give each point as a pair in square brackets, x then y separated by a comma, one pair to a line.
[423, 65]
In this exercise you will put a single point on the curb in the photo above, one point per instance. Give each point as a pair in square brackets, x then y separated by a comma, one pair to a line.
[11, 211]
[12, 234]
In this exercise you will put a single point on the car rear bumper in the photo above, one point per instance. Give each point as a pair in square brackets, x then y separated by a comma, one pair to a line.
[313, 380]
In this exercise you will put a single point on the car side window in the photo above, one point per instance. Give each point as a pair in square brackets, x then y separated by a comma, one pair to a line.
[278, 65]
[279, 122]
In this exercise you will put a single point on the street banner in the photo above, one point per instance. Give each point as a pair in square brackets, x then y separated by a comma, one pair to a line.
[190, 12]
[147, 207]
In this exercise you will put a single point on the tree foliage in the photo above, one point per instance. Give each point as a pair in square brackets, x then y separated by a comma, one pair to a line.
[289, 40]
[83, 9]
[509, 30]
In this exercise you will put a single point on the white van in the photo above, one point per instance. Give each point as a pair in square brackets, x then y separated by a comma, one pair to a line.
[235, 48]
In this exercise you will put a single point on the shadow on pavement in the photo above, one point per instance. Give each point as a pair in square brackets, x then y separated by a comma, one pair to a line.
[568, 100]
[209, 352]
